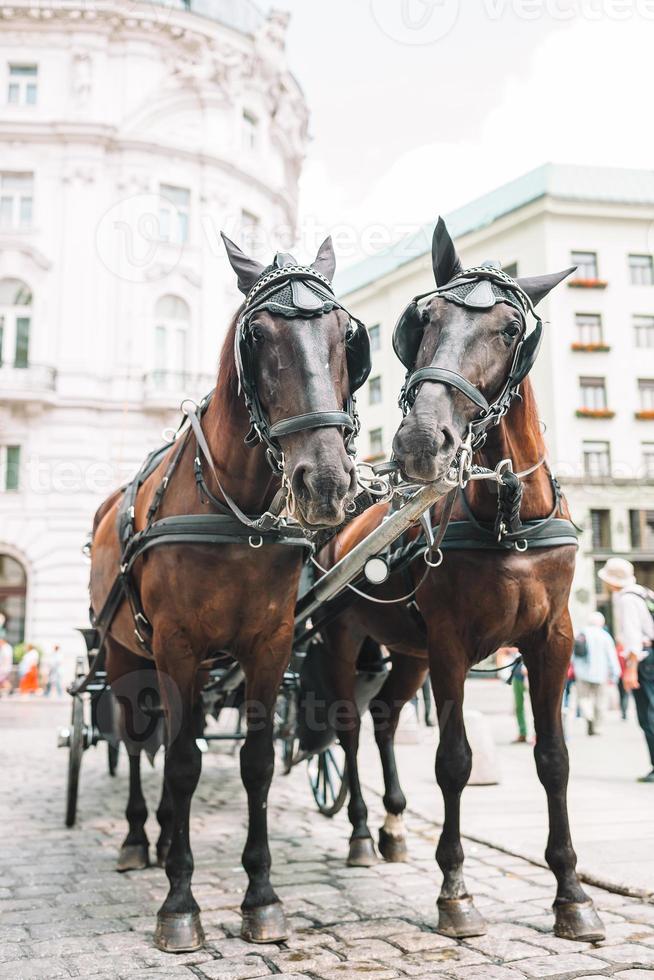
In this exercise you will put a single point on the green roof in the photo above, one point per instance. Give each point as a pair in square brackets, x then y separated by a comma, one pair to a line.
[597, 184]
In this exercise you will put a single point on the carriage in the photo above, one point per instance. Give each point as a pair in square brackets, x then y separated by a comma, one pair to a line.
[229, 444]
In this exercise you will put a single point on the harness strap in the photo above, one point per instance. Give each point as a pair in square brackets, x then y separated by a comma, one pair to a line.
[311, 420]
[263, 523]
[445, 376]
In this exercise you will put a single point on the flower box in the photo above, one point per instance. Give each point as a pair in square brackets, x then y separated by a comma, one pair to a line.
[596, 413]
[587, 283]
[645, 416]
[590, 348]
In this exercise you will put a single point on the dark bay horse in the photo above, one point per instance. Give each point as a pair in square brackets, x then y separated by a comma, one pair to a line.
[465, 341]
[282, 416]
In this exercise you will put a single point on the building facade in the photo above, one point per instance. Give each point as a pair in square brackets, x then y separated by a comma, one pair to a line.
[594, 377]
[131, 133]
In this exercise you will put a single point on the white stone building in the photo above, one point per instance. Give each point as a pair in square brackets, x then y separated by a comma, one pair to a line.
[131, 132]
[595, 374]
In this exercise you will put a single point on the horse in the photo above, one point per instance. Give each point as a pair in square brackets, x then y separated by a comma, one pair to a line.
[466, 348]
[274, 439]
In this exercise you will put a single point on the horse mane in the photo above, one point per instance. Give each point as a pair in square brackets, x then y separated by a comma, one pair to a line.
[522, 424]
[226, 391]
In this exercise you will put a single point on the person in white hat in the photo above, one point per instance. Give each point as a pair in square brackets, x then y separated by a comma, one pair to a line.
[634, 629]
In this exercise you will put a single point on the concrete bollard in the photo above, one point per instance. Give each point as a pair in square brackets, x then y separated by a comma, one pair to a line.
[485, 764]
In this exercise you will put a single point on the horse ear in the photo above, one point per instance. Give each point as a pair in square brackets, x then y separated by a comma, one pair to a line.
[445, 261]
[325, 262]
[248, 270]
[537, 287]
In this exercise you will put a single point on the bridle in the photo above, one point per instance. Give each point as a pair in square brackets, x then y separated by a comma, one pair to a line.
[477, 288]
[296, 291]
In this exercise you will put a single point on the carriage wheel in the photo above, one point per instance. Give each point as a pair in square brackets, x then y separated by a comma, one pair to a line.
[76, 751]
[112, 758]
[328, 780]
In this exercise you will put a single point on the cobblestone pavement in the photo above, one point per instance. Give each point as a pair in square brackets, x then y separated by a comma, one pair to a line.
[64, 911]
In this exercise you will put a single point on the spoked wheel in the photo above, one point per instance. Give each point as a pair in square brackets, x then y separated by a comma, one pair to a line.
[112, 758]
[76, 747]
[328, 780]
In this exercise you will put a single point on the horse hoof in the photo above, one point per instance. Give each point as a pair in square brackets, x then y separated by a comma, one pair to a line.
[578, 921]
[162, 855]
[391, 848]
[266, 924]
[179, 932]
[459, 919]
[133, 857]
[362, 853]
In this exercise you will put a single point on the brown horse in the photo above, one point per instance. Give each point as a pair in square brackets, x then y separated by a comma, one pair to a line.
[290, 363]
[479, 598]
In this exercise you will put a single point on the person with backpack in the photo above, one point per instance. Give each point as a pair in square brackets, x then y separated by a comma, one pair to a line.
[596, 664]
[634, 630]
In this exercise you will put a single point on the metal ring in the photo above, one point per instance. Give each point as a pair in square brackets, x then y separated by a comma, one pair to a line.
[524, 542]
[433, 564]
[351, 508]
[251, 540]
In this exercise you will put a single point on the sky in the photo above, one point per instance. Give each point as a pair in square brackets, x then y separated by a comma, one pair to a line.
[418, 106]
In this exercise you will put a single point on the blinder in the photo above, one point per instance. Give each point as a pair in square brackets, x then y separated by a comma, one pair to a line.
[478, 288]
[294, 291]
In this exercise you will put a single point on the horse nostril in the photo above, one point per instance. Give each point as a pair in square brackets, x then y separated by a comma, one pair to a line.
[299, 481]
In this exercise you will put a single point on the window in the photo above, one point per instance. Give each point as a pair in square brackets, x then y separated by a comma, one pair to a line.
[174, 214]
[593, 393]
[644, 330]
[601, 527]
[13, 588]
[648, 460]
[597, 459]
[250, 131]
[641, 525]
[376, 442]
[22, 87]
[9, 467]
[172, 321]
[250, 231]
[375, 337]
[511, 269]
[646, 394]
[15, 322]
[16, 199]
[375, 390]
[586, 263]
[641, 270]
[589, 329]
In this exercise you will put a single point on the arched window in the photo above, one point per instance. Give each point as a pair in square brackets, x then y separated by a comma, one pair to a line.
[13, 588]
[172, 323]
[15, 322]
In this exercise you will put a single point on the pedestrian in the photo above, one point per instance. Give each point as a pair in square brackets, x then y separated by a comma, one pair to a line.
[6, 665]
[596, 664]
[55, 665]
[635, 632]
[28, 671]
[518, 681]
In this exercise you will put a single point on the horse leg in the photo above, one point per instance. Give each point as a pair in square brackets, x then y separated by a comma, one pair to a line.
[165, 819]
[457, 915]
[406, 677]
[263, 915]
[547, 658]
[179, 928]
[133, 854]
[345, 648]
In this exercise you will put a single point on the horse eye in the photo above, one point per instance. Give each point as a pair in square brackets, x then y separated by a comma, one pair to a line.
[512, 330]
[256, 333]
[426, 317]
[349, 333]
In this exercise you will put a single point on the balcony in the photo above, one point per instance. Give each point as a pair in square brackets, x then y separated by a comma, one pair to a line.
[598, 348]
[35, 382]
[594, 413]
[587, 283]
[164, 390]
